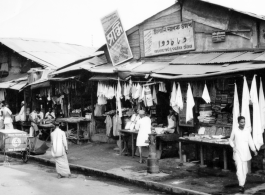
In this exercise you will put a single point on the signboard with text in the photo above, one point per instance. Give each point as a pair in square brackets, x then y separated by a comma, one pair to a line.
[169, 39]
[117, 42]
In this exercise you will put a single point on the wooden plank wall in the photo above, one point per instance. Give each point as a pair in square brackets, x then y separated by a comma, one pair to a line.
[207, 19]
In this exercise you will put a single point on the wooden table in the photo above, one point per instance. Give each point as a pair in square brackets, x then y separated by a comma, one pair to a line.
[132, 134]
[77, 121]
[201, 144]
[49, 126]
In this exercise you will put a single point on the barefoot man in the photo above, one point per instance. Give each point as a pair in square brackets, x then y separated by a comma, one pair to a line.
[59, 151]
[241, 141]
[144, 127]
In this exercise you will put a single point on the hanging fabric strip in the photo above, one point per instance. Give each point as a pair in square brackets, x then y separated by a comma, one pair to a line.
[257, 128]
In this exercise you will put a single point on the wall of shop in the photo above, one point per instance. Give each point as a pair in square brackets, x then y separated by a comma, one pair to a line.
[208, 18]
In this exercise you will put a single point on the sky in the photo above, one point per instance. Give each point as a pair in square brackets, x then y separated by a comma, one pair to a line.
[78, 21]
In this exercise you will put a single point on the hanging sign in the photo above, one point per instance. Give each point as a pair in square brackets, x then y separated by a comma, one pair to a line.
[117, 42]
[218, 37]
[169, 39]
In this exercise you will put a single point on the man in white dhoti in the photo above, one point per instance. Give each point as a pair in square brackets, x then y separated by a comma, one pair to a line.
[59, 151]
[144, 127]
[7, 115]
[240, 141]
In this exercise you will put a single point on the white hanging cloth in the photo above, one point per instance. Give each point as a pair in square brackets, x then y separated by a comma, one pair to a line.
[173, 98]
[205, 95]
[236, 111]
[190, 104]
[154, 95]
[179, 101]
[257, 128]
[118, 98]
[245, 105]
[162, 87]
[262, 105]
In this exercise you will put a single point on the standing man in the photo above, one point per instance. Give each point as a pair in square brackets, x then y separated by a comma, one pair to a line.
[21, 115]
[240, 141]
[7, 115]
[59, 151]
[144, 127]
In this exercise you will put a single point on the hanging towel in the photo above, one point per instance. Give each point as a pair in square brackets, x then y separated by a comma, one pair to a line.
[257, 128]
[262, 105]
[179, 101]
[118, 99]
[138, 91]
[245, 105]
[154, 94]
[173, 95]
[190, 104]
[173, 98]
[162, 87]
[236, 111]
[205, 95]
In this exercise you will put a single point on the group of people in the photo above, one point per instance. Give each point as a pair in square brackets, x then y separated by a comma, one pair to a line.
[240, 140]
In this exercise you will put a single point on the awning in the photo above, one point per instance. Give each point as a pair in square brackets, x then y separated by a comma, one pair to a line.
[199, 71]
[46, 82]
[6, 85]
[87, 64]
[13, 76]
[106, 68]
[41, 84]
[15, 84]
[104, 77]
[19, 85]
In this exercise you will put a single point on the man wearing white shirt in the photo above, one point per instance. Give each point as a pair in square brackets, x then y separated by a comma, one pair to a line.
[21, 116]
[240, 141]
[7, 114]
[50, 114]
[144, 127]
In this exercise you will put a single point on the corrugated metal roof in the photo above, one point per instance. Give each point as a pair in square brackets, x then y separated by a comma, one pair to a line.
[106, 68]
[148, 67]
[261, 57]
[19, 85]
[215, 58]
[13, 76]
[243, 12]
[48, 53]
[196, 71]
[226, 57]
[248, 56]
[201, 58]
[87, 64]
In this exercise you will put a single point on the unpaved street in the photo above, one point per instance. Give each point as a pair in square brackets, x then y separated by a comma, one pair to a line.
[36, 179]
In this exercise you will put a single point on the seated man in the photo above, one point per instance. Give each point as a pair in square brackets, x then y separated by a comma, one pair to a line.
[171, 122]
[50, 114]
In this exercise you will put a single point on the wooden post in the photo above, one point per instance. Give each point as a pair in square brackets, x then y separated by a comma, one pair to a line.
[180, 152]
[78, 131]
[92, 127]
[132, 145]
[225, 160]
[201, 155]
